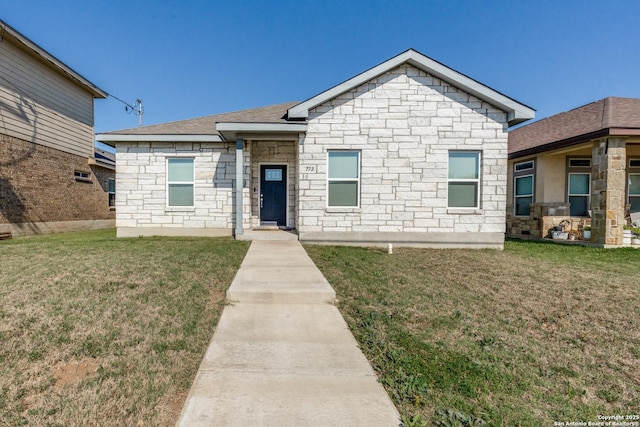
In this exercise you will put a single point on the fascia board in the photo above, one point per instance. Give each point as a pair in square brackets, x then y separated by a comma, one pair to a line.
[106, 137]
[261, 127]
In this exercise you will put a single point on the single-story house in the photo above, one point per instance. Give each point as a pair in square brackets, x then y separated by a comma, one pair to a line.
[581, 166]
[408, 152]
[51, 176]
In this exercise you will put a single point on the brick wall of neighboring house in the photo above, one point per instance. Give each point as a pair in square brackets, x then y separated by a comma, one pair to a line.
[38, 186]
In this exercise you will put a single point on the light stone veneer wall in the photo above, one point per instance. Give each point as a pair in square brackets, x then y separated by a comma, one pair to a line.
[404, 123]
[276, 153]
[141, 207]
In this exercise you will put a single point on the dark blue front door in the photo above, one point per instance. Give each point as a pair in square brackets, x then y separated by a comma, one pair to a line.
[273, 194]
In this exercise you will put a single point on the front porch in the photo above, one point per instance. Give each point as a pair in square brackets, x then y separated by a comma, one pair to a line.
[593, 185]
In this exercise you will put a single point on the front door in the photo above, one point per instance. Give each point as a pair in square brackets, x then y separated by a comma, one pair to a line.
[273, 194]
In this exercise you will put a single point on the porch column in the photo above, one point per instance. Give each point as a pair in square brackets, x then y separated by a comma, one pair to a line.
[239, 184]
[608, 189]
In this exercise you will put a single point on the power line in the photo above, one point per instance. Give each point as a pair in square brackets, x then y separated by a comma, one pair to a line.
[136, 109]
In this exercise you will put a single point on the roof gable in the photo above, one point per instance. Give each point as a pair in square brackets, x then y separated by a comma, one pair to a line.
[516, 112]
[16, 38]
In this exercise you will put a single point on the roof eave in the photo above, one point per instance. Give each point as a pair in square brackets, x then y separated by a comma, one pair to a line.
[111, 139]
[232, 130]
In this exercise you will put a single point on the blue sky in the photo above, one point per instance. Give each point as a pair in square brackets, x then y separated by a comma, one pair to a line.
[189, 58]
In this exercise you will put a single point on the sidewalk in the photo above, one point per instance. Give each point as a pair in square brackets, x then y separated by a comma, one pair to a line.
[282, 354]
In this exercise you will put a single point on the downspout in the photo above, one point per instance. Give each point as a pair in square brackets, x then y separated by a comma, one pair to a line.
[239, 184]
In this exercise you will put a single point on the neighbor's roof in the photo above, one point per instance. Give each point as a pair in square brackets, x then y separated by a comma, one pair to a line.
[516, 111]
[608, 116]
[14, 37]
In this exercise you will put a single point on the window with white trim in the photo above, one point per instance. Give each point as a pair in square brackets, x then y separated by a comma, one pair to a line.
[464, 179]
[343, 179]
[111, 183]
[579, 186]
[523, 184]
[180, 182]
[633, 185]
[579, 191]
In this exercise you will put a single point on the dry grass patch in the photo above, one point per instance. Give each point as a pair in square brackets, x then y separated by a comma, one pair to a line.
[531, 335]
[103, 331]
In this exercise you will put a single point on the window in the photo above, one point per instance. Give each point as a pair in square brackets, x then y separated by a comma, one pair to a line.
[343, 179]
[579, 163]
[633, 183]
[464, 179]
[634, 192]
[579, 190]
[579, 186]
[523, 183]
[112, 192]
[180, 182]
[82, 176]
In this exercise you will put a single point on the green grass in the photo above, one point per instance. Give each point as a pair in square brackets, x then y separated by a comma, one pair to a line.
[527, 336]
[96, 330]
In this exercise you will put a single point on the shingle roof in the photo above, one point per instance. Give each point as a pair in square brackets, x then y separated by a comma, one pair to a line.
[575, 126]
[207, 125]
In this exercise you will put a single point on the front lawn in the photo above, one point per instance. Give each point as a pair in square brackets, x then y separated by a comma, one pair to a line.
[527, 336]
[96, 330]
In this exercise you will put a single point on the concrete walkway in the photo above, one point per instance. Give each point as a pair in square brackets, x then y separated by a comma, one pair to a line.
[282, 354]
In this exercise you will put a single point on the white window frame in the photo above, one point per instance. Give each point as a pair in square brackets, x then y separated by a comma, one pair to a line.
[192, 182]
[524, 172]
[82, 175]
[629, 195]
[587, 195]
[516, 196]
[572, 159]
[356, 180]
[477, 180]
[111, 193]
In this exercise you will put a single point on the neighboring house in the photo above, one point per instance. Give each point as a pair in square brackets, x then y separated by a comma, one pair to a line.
[582, 166]
[50, 177]
[408, 152]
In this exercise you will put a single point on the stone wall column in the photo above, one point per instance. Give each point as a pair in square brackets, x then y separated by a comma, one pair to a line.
[608, 191]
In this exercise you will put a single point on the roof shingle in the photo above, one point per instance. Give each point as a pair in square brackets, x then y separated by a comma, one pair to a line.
[207, 125]
[571, 125]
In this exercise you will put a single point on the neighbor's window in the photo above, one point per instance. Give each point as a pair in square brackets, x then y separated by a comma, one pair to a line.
[180, 182]
[579, 186]
[633, 180]
[343, 178]
[523, 183]
[81, 175]
[464, 179]
[112, 192]
[579, 190]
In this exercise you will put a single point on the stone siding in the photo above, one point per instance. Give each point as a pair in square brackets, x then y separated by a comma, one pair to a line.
[141, 186]
[273, 152]
[608, 191]
[404, 123]
[38, 187]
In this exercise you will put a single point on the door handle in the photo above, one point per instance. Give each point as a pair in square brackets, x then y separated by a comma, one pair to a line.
[261, 200]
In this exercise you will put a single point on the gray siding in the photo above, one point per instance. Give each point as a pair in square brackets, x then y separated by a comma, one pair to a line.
[40, 105]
